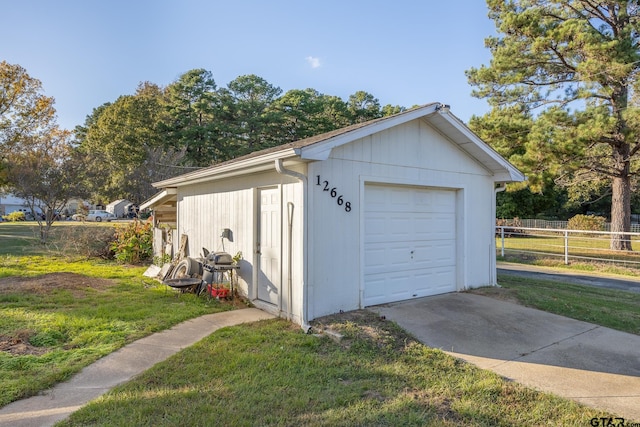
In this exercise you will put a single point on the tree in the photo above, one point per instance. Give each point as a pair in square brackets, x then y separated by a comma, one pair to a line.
[193, 121]
[117, 142]
[522, 203]
[390, 110]
[252, 122]
[305, 113]
[38, 160]
[24, 110]
[363, 107]
[80, 131]
[571, 67]
[46, 172]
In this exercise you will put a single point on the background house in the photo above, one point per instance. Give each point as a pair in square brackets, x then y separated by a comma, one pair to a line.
[10, 203]
[118, 207]
[396, 208]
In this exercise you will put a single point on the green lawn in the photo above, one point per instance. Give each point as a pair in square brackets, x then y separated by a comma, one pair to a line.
[269, 373]
[272, 374]
[581, 249]
[607, 307]
[52, 326]
[67, 237]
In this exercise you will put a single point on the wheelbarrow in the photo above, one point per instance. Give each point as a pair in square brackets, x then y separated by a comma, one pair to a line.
[185, 284]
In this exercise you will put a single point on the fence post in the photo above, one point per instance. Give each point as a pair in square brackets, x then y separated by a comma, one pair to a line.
[502, 239]
[566, 247]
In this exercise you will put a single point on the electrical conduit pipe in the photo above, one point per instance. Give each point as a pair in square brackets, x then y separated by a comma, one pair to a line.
[303, 178]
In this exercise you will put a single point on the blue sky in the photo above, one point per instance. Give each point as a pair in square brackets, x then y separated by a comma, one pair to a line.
[403, 52]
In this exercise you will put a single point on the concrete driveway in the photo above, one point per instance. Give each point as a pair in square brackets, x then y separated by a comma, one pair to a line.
[597, 366]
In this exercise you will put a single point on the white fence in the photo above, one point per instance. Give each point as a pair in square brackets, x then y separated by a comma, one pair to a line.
[543, 223]
[590, 246]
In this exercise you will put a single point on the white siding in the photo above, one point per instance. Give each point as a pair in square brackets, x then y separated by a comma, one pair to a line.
[205, 209]
[334, 239]
[411, 154]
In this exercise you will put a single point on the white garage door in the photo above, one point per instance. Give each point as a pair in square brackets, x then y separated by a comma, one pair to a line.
[409, 243]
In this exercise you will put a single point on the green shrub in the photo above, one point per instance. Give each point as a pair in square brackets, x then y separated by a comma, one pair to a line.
[586, 222]
[93, 242]
[15, 216]
[161, 260]
[144, 215]
[133, 243]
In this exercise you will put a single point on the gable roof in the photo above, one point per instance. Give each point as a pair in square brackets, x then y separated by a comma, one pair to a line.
[319, 147]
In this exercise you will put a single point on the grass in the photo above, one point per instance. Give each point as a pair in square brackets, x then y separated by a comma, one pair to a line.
[56, 326]
[269, 373]
[22, 238]
[18, 238]
[583, 250]
[272, 374]
[592, 267]
[606, 307]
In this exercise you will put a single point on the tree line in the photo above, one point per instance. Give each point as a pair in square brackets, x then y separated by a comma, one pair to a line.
[562, 84]
[160, 132]
[156, 133]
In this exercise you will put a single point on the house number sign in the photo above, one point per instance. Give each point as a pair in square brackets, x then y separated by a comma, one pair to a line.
[333, 192]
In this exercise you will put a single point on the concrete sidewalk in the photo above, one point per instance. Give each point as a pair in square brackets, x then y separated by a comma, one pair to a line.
[116, 368]
[597, 279]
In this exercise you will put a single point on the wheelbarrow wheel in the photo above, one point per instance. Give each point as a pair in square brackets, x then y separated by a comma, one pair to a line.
[188, 267]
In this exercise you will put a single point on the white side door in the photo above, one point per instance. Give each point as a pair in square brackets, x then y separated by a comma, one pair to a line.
[269, 245]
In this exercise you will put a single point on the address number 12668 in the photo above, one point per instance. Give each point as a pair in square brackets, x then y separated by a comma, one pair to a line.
[333, 192]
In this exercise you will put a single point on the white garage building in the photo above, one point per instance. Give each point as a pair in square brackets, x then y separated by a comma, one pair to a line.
[392, 209]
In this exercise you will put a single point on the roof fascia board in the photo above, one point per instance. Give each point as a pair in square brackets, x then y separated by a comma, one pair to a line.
[159, 198]
[506, 176]
[228, 174]
[258, 163]
[322, 150]
[513, 172]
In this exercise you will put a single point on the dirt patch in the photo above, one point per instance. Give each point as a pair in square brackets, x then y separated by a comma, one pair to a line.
[42, 285]
[502, 294]
[18, 342]
[348, 327]
[19, 345]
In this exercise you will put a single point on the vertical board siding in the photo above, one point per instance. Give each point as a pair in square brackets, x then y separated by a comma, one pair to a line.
[292, 193]
[412, 154]
[333, 240]
[205, 209]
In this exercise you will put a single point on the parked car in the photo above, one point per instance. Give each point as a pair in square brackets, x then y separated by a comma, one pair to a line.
[99, 216]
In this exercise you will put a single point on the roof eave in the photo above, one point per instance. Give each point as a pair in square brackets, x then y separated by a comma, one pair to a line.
[159, 198]
[253, 164]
